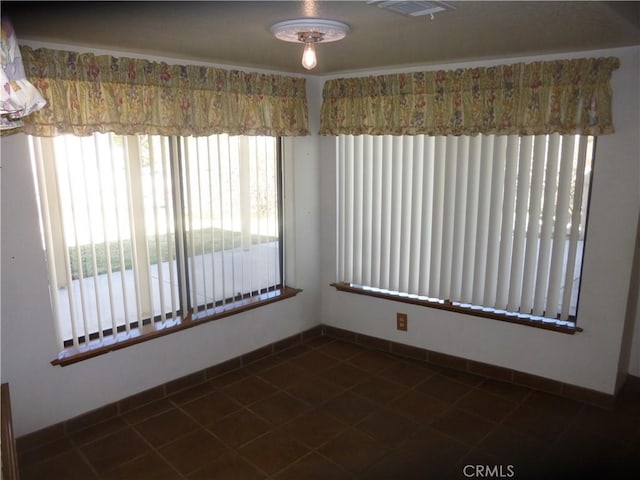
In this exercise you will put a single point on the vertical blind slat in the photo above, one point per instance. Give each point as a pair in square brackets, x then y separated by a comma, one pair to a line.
[522, 204]
[546, 230]
[73, 203]
[458, 260]
[417, 195]
[385, 245]
[357, 210]
[574, 235]
[406, 190]
[91, 217]
[121, 185]
[427, 215]
[396, 215]
[341, 161]
[348, 239]
[448, 216]
[533, 227]
[220, 234]
[132, 164]
[482, 234]
[506, 231]
[438, 207]
[99, 147]
[170, 229]
[495, 219]
[471, 218]
[38, 158]
[376, 216]
[202, 222]
[153, 160]
[367, 213]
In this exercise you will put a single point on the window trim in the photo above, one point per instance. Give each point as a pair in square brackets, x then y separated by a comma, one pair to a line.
[450, 307]
[156, 329]
[149, 328]
[351, 283]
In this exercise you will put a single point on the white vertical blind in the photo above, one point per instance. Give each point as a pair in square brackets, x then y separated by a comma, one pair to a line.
[448, 216]
[376, 208]
[482, 223]
[230, 184]
[414, 251]
[426, 223]
[492, 222]
[406, 208]
[519, 231]
[145, 228]
[386, 212]
[495, 219]
[358, 198]
[506, 231]
[471, 218]
[546, 230]
[84, 186]
[460, 217]
[396, 188]
[435, 289]
[533, 226]
[367, 212]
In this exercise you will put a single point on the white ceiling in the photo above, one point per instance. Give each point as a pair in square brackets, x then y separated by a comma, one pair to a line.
[237, 32]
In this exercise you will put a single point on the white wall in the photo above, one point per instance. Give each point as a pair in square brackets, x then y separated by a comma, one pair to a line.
[43, 394]
[589, 359]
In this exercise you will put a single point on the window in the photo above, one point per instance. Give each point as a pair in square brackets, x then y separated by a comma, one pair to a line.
[148, 229]
[493, 225]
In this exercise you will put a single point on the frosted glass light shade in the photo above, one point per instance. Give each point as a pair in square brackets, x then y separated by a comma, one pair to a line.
[309, 60]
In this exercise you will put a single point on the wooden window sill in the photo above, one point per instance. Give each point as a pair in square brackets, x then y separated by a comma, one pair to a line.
[548, 324]
[158, 329]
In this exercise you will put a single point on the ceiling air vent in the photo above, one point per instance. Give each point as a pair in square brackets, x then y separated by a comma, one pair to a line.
[413, 9]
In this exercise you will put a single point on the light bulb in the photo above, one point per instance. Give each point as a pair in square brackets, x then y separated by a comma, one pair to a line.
[309, 56]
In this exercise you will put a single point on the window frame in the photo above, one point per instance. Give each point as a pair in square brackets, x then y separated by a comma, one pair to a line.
[568, 326]
[141, 330]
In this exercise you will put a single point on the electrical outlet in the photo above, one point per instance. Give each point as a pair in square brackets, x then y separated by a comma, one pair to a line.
[401, 320]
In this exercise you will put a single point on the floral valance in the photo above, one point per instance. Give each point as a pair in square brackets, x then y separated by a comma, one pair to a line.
[565, 96]
[87, 93]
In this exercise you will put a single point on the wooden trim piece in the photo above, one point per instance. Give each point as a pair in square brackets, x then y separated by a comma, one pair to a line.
[93, 417]
[9, 452]
[632, 384]
[154, 330]
[57, 431]
[312, 333]
[345, 287]
[453, 362]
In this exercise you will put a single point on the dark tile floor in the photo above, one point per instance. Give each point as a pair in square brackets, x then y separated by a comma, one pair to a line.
[333, 410]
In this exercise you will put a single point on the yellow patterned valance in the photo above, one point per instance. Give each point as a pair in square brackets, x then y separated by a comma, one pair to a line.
[565, 96]
[88, 93]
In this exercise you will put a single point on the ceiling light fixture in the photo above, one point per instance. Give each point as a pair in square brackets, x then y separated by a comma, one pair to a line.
[310, 31]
